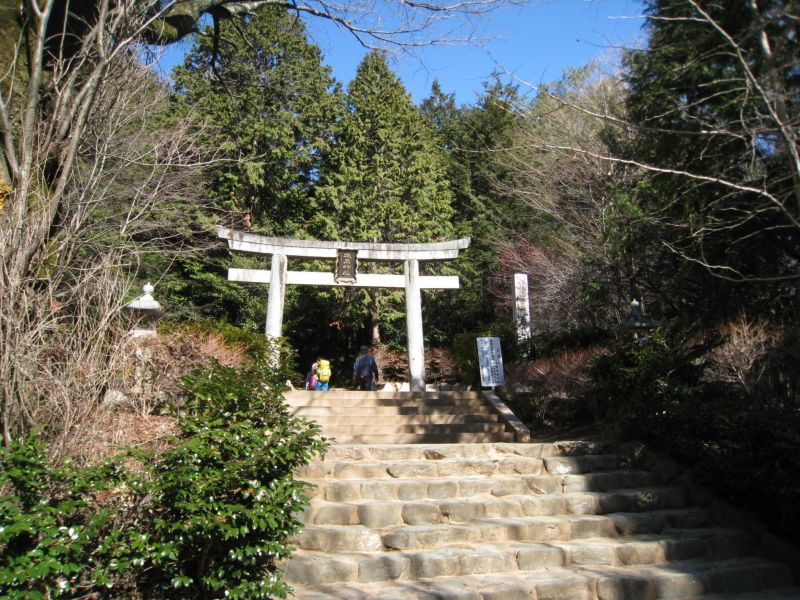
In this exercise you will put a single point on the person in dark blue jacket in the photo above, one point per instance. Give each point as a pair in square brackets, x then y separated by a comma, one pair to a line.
[365, 370]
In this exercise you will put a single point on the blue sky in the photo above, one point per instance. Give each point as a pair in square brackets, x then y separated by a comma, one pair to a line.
[535, 43]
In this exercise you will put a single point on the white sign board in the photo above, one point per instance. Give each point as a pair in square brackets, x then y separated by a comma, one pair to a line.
[490, 359]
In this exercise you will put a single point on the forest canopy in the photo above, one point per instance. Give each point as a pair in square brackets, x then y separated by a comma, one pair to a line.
[672, 181]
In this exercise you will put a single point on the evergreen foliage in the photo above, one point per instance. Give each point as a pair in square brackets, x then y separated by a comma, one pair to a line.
[707, 104]
[209, 517]
[272, 105]
[488, 212]
[385, 181]
[661, 390]
[386, 177]
[268, 107]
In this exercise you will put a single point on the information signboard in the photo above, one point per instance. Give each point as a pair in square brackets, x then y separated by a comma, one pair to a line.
[490, 360]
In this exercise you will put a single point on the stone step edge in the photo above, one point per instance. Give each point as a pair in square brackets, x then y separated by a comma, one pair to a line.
[328, 400]
[562, 465]
[494, 449]
[423, 428]
[425, 409]
[682, 581]
[422, 438]
[446, 510]
[453, 467]
[537, 484]
[419, 469]
[711, 543]
[381, 394]
[521, 430]
[347, 538]
[406, 419]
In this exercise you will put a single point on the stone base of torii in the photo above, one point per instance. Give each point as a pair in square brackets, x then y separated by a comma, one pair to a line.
[345, 274]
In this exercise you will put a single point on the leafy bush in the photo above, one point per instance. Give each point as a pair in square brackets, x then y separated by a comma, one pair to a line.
[51, 527]
[652, 385]
[209, 517]
[550, 344]
[226, 496]
[739, 444]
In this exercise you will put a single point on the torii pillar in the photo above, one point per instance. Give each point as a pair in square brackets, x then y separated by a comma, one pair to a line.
[347, 255]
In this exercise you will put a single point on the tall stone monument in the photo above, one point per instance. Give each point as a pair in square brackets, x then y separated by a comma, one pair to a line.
[522, 307]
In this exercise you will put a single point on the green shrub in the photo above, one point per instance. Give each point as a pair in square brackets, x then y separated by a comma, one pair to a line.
[226, 496]
[649, 386]
[51, 527]
[739, 445]
[550, 344]
[207, 518]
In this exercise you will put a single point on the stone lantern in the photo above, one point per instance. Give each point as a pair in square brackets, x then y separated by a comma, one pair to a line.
[639, 324]
[146, 311]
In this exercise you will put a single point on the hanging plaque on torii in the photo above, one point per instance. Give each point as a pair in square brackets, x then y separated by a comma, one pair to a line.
[346, 267]
[345, 273]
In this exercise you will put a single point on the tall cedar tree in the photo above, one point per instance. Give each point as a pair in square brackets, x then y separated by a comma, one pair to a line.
[475, 137]
[386, 181]
[694, 94]
[449, 313]
[272, 106]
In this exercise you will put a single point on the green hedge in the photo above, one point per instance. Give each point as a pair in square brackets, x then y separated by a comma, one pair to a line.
[207, 518]
[743, 446]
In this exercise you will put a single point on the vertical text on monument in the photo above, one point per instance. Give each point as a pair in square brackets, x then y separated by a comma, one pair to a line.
[522, 307]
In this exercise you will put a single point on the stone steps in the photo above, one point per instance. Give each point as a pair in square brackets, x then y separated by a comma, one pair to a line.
[329, 400]
[337, 421]
[463, 487]
[451, 467]
[422, 438]
[323, 569]
[444, 466]
[404, 418]
[385, 411]
[388, 429]
[577, 584]
[381, 529]
[303, 396]
[398, 512]
[674, 581]
[440, 451]
[484, 521]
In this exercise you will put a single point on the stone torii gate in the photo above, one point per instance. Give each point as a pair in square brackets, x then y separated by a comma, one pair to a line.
[345, 273]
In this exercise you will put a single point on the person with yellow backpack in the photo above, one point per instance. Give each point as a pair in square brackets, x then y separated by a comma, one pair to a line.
[323, 374]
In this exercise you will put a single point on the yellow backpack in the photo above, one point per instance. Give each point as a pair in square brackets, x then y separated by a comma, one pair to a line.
[324, 371]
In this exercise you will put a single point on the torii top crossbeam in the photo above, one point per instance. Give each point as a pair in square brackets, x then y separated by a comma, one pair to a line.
[345, 274]
[259, 244]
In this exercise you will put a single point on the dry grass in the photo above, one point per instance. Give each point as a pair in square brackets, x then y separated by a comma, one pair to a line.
[151, 376]
[550, 390]
[741, 357]
[109, 432]
[440, 364]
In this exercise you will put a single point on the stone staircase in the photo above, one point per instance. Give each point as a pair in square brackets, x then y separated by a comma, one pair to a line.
[506, 521]
[348, 417]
